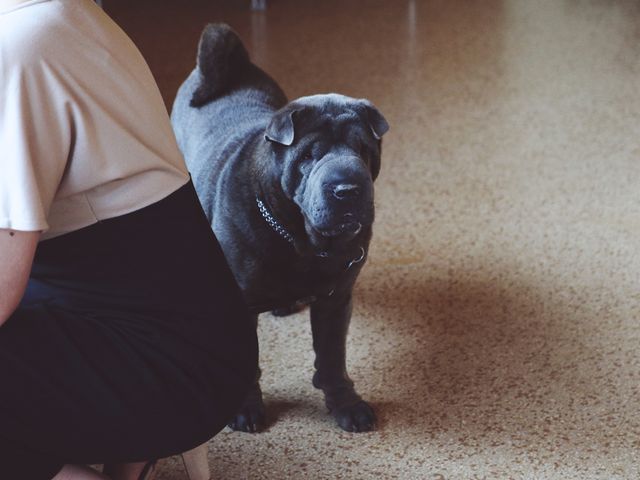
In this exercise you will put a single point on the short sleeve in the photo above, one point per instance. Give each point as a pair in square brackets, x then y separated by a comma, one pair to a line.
[35, 137]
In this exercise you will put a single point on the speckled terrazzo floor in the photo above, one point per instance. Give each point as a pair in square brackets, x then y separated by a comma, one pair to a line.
[497, 323]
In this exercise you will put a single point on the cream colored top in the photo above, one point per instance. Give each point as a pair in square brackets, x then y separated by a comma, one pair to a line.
[84, 133]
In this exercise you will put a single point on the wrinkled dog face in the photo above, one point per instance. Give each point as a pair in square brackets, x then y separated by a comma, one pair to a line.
[331, 159]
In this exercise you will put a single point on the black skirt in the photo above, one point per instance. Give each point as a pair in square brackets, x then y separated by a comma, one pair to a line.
[132, 342]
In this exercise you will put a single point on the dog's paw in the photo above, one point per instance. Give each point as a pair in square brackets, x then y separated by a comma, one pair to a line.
[359, 417]
[250, 419]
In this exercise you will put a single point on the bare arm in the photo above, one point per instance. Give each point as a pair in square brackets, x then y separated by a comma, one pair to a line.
[16, 256]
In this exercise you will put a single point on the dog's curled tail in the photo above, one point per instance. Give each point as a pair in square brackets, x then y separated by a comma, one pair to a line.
[221, 55]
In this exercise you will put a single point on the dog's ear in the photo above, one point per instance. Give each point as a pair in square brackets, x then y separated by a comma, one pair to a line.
[281, 129]
[377, 122]
[379, 127]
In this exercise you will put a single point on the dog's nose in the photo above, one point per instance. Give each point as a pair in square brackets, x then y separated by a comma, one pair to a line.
[345, 190]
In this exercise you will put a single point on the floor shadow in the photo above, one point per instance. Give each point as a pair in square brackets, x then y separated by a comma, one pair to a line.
[276, 408]
[496, 359]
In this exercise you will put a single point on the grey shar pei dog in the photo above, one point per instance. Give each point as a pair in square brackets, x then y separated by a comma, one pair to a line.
[288, 190]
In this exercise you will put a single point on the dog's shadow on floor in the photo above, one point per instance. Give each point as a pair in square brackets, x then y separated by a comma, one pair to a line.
[278, 408]
[499, 360]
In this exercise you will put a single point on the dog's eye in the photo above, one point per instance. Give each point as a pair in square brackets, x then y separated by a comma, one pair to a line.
[307, 156]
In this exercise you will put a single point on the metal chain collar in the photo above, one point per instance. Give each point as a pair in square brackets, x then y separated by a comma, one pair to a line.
[280, 230]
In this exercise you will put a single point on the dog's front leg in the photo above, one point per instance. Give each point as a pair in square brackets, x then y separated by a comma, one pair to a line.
[251, 417]
[330, 317]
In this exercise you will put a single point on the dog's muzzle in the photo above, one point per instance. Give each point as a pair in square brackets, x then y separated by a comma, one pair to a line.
[338, 199]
